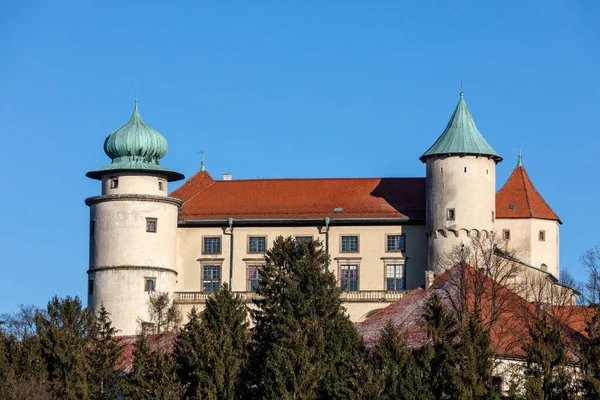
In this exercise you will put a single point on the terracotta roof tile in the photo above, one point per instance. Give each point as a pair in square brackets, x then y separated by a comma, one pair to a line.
[518, 198]
[207, 199]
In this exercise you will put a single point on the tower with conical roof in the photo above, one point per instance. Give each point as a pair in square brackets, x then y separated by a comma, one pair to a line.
[526, 223]
[460, 191]
[133, 225]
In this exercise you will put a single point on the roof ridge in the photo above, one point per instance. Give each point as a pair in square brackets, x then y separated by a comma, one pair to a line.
[319, 179]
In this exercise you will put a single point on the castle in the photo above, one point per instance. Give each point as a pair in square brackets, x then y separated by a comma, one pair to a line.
[383, 234]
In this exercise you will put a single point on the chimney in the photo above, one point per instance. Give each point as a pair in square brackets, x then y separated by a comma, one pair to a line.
[227, 177]
[428, 279]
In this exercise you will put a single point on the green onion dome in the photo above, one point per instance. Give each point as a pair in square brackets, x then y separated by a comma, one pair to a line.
[135, 147]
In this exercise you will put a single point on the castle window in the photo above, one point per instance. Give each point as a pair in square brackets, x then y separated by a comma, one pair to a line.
[92, 228]
[450, 214]
[544, 267]
[506, 234]
[512, 206]
[161, 184]
[90, 287]
[442, 170]
[395, 243]
[211, 278]
[149, 285]
[487, 171]
[349, 277]
[542, 236]
[254, 278]
[350, 244]
[151, 225]
[303, 239]
[493, 216]
[211, 245]
[394, 278]
[465, 170]
[257, 244]
[114, 183]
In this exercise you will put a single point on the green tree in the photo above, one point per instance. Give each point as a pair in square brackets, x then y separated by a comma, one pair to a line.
[399, 376]
[64, 335]
[546, 367]
[590, 358]
[439, 359]
[300, 308]
[473, 378]
[211, 350]
[104, 353]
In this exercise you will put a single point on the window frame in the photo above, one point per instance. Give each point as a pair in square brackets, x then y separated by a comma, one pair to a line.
[506, 234]
[385, 275]
[388, 235]
[258, 278]
[342, 236]
[149, 279]
[150, 220]
[542, 235]
[450, 214]
[212, 280]
[348, 264]
[248, 247]
[161, 184]
[296, 237]
[212, 237]
[114, 182]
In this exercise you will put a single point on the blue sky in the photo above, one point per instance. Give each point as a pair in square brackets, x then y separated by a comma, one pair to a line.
[283, 89]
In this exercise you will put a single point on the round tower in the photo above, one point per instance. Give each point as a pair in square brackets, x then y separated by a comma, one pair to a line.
[133, 226]
[461, 186]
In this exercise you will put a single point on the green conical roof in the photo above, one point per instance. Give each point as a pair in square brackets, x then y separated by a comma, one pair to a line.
[135, 147]
[461, 137]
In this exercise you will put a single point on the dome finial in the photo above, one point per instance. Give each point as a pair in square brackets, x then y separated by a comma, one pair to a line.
[520, 161]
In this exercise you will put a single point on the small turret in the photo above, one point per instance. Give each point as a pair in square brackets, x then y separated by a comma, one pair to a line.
[461, 180]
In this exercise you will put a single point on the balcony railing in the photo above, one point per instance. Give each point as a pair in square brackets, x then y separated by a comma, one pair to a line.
[355, 296]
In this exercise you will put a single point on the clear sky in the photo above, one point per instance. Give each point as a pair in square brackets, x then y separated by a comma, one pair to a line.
[283, 89]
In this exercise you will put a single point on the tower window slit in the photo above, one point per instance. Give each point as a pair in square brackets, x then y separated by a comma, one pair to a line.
[465, 170]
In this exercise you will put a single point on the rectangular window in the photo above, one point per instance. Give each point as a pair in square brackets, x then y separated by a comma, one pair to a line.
[395, 243]
[114, 183]
[254, 279]
[450, 214]
[161, 184]
[349, 277]
[542, 236]
[394, 278]
[149, 285]
[506, 234]
[151, 225]
[350, 244]
[90, 287]
[303, 239]
[257, 244]
[211, 245]
[92, 228]
[211, 278]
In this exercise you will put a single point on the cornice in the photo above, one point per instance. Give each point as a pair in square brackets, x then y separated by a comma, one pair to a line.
[129, 197]
[131, 267]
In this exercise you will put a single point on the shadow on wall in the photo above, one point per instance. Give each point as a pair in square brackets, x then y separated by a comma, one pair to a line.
[405, 195]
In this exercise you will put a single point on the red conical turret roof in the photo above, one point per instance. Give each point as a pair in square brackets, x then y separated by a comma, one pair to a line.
[518, 198]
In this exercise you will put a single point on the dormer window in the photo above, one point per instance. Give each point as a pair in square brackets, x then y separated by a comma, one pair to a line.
[512, 206]
[114, 182]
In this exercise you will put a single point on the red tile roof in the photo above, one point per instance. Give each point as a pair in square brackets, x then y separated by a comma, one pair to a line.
[208, 199]
[509, 326]
[526, 202]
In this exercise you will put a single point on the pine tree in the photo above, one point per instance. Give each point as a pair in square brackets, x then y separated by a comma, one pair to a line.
[546, 372]
[473, 378]
[104, 354]
[211, 350]
[439, 359]
[393, 363]
[64, 339]
[300, 307]
[590, 358]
